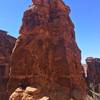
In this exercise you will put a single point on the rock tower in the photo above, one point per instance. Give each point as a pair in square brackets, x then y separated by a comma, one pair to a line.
[46, 54]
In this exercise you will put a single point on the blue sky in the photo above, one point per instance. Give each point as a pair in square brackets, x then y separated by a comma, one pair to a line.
[84, 13]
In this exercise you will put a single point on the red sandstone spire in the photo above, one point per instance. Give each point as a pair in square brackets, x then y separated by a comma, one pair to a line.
[46, 54]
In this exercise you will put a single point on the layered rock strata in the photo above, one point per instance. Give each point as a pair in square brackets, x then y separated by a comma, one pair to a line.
[46, 54]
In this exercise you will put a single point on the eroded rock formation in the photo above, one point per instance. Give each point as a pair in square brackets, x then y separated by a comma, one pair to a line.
[6, 45]
[93, 73]
[46, 54]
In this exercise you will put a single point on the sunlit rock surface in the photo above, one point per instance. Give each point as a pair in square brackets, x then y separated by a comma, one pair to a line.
[46, 54]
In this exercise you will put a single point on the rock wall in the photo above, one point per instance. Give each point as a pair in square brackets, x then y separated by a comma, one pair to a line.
[93, 73]
[46, 54]
[6, 45]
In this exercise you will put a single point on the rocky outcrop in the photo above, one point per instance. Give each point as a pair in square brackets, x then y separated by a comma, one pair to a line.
[93, 73]
[6, 45]
[85, 69]
[46, 54]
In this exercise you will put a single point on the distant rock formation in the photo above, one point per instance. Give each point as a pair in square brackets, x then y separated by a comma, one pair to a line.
[93, 73]
[85, 69]
[46, 54]
[6, 45]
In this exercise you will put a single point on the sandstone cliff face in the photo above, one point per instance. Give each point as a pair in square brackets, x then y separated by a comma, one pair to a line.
[46, 54]
[93, 73]
[6, 45]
